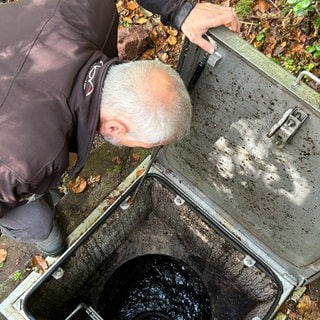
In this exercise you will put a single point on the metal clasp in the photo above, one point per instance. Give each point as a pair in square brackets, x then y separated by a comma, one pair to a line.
[287, 126]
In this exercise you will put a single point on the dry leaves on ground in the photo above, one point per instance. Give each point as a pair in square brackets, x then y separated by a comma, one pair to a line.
[166, 42]
[3, 256]
[283, 38]
[77, 185]
[39, 264]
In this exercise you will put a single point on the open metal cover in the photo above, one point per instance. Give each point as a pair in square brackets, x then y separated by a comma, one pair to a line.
[253, 152]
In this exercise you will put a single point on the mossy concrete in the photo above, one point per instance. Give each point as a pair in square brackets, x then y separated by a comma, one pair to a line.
[75, 207]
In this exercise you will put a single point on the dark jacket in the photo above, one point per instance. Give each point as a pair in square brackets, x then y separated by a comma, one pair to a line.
[54, 55]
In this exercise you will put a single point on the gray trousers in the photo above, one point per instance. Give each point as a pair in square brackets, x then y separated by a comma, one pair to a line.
[31, 222]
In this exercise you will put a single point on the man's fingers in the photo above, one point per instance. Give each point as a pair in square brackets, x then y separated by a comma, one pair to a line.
[234, 24]
[205, 16]
[205, 45]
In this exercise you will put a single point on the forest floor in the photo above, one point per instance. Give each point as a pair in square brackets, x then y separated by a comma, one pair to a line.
[291, 41]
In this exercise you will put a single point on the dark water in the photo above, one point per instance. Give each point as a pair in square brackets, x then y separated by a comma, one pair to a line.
[154, 288]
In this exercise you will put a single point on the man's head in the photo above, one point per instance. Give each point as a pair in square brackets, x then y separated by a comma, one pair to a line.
[144, 104]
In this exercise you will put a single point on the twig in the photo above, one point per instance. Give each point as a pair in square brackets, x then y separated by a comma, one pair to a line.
[273, 4]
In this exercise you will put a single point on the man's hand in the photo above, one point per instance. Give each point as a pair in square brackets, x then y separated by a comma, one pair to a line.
[205, 16]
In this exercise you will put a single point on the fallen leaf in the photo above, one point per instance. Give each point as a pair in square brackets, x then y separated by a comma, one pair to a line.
[93, 179]
[111, 200]
[299, 36]
[304, 305]
[77, 185]
[3, 255]
[139, 172]
[270, 44]
[127, 20]
[262, 6]
[297, 47]
[135, 156]
[171, 31]
[164, 57]
[119, 3]
[148, 54]
[132, 5]
[39, 263]
[116, 160]
[142, 20]
[172, 40]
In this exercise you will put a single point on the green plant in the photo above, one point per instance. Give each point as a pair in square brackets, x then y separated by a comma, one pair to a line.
[117, 168]
[261, 35]
[301, 7]
[243, 7]
[310, 67]
[125, 24]
[288, 63]
[314, 50]
[17, 276]
[310, 8]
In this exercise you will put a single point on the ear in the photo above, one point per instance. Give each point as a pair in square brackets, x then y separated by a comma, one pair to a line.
[112, 128]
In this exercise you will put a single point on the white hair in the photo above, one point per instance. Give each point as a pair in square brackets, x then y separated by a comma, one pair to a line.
[155, 121]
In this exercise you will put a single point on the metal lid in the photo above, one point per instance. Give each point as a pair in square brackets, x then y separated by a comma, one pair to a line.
[253, 150]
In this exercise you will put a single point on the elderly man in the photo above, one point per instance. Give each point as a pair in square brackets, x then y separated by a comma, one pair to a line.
[61, 81]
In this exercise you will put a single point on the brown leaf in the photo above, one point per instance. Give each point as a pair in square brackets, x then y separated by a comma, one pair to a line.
[164, 57]
[270, 44]
[304, 305]
[135, 156]
[132, 5]
[116, 160]
[263, 6]
[299, 36]
[111, 200]
[172, 32]
[142, 20]
[3, 255]
[139, 172]
[127, 20]
[93, 179]
[297, 47]
[77, 185]
[148, 54]
[39, 263]
[172, 40]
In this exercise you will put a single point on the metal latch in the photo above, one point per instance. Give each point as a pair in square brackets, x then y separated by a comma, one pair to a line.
[287, 126]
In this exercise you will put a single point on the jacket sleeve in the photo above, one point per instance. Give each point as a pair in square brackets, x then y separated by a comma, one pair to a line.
[16, 191]
[10, 189]
[172, 12]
